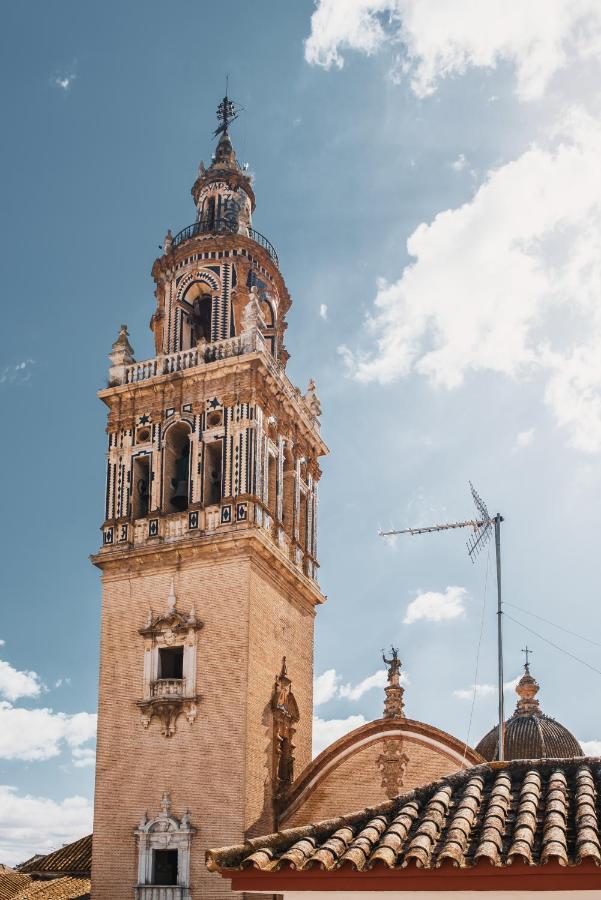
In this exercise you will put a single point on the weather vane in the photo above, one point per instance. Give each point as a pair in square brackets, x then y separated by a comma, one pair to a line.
[227, 111]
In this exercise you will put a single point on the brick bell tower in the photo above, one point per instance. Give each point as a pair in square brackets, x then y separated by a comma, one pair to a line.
[208, 558]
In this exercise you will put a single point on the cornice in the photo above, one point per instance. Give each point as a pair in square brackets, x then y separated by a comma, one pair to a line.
[249, 542]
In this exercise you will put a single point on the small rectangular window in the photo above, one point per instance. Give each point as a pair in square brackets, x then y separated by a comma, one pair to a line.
[171, 662]
[164, 867]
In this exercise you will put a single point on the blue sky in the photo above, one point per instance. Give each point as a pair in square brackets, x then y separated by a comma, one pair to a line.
[429, 178]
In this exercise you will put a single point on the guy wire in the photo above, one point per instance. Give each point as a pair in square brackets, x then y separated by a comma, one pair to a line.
[554, 624]
[557, 647]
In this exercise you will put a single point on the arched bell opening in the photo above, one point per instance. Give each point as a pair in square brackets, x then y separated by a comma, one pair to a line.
[272, 484]
[213, 472]
[176, 469]
[198, 303]
[140, 487]
[288, 490]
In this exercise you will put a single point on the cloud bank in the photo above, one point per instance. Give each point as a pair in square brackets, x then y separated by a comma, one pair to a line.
[433, 606]
[431, 41]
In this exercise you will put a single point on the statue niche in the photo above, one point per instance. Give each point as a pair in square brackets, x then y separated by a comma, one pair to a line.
[285, 717]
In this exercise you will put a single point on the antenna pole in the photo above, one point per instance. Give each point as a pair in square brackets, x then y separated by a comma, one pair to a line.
[498, 519]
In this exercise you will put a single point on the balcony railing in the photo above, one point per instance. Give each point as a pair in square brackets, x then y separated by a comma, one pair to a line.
[167, 687]
[188, 359]
[224, 226]
[160, 892]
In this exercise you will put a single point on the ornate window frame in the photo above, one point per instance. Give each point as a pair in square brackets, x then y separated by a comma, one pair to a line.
[167, 698]
[164, 832]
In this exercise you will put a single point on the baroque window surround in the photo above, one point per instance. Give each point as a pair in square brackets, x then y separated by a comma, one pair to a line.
[167, 698]
[164, 832]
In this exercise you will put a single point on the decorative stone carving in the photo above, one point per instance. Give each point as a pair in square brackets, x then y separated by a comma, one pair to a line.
[393, 705]
[312, 400]
[392, 763]
[164, 832]
[121, 356]
[165, 698]
[285, 717]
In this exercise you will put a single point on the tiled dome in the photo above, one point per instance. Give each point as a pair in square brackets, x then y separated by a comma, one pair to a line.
[529, 733]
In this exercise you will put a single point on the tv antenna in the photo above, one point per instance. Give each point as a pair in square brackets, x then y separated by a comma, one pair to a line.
[482, 529]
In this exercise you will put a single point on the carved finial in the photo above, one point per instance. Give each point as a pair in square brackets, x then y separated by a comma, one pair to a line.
[166, 803]
[144, 819]
[121, 346]
[527, 652]
[192, 616]
[284, 670]
[393, 705]
[527, 688]
[149, 618]
[168, 242]
[186, 819]
[312, 400]
[171, 601]
[285, 717]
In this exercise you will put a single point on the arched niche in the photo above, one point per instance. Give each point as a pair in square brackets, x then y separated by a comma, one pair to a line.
[176, 468]
[198, 301]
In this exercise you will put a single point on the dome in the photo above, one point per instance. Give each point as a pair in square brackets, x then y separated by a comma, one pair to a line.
[529, 733]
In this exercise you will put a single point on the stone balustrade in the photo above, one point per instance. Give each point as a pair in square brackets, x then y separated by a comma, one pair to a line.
[161, 892]
[200, 355]
[167, 687]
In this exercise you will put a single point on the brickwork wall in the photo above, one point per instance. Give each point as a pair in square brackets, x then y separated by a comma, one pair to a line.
[357, 782]
[203, 763]
[278, 626]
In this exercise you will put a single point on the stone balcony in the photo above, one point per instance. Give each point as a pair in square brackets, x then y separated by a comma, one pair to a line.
[167, 687]
[162, 892]
[186, 359]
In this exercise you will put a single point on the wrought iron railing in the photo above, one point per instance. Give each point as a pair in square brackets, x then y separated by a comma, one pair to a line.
[224, 226]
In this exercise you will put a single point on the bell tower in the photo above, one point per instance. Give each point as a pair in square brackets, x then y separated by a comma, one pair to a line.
[208, 558]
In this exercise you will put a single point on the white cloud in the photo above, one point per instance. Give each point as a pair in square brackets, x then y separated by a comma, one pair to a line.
[323, 311]
[83, 757]
[39, 734]
[524, 438]
[591, 748]
[435, 40]
[325, 687]
[64, 82]
[509, 283]
[326, 731]
[15, 684]
[31, 824]
[18, 373]
[437, 607]
[485, 690]
[328, 686]
[460, 163]
[355, 692]
[482, 690]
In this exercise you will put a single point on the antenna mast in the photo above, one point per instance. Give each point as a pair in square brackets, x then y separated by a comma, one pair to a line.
[483, 527]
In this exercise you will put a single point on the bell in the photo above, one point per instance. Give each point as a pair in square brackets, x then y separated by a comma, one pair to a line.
[179, 501]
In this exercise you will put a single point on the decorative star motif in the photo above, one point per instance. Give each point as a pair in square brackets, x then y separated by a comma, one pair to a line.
[144, 420]
[214, 403]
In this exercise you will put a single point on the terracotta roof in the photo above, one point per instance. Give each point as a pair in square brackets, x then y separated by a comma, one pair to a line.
[56, 889]
[72, 859]
[11, 883]
[529, 733]
[534, 811]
